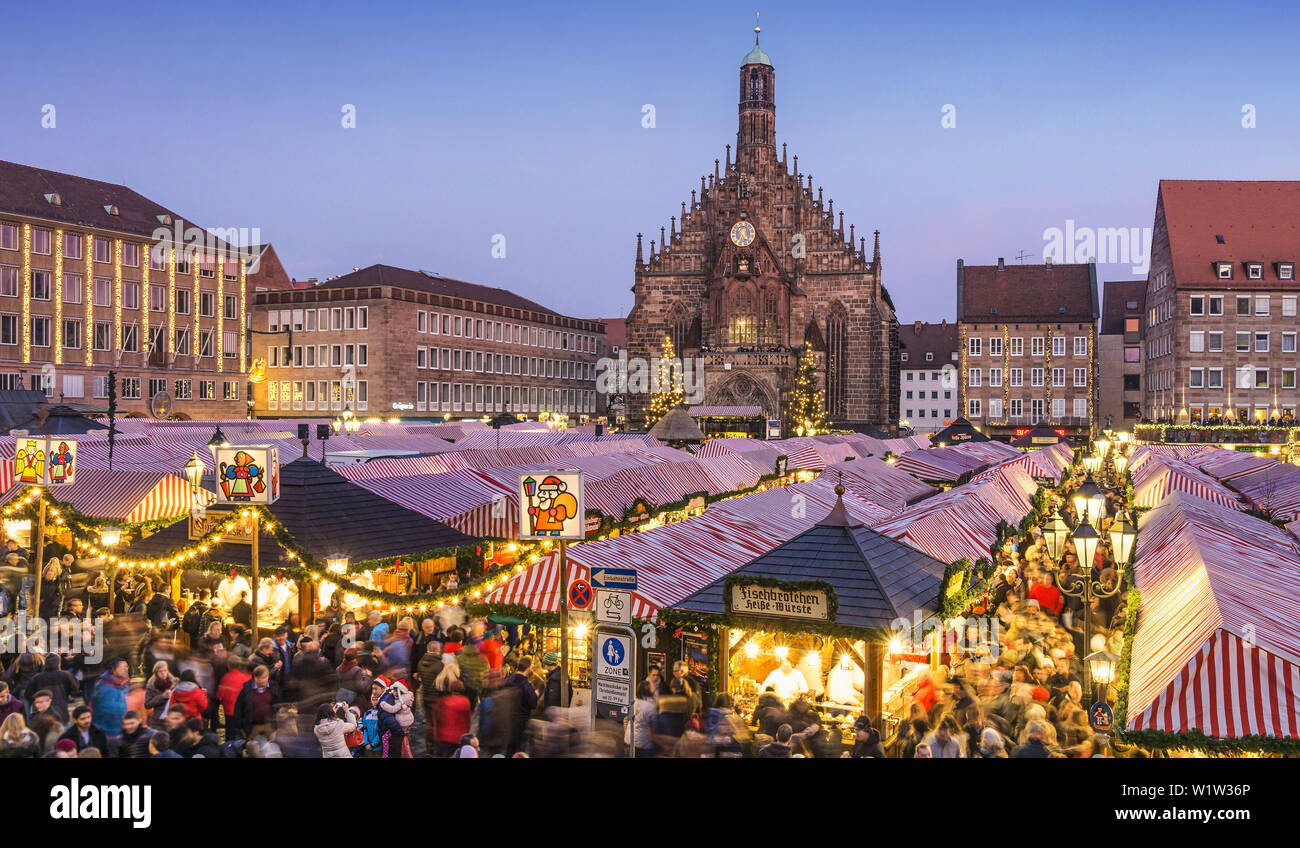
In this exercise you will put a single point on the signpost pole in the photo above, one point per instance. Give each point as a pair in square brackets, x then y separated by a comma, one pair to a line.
[39, 550]
[564, 626]
[256, 580]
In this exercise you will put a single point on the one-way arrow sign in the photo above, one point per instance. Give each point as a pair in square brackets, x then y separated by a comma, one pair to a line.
[614, 578]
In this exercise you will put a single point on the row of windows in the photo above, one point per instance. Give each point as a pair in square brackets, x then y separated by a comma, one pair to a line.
[319, 356]
[1016, 376]
[1255, 270]
[71, 290]
[933, 396]
[1246, 377]
[1200, 341]
[1016, 346]
[102, 336]
[102, 251]
[1260, 413]
[457, 397]
[934, 413]
[73, 386]
[920, 375]
[490, 330]
[318, 394]
[324, 319]
[497, 363]
[1200, 305]
[1015, 408]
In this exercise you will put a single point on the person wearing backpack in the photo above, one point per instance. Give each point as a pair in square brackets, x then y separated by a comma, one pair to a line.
[193, 619]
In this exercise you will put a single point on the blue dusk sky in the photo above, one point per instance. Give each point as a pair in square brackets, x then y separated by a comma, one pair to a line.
[525, 120]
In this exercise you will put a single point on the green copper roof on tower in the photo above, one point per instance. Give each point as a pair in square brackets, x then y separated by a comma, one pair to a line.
[756, 56]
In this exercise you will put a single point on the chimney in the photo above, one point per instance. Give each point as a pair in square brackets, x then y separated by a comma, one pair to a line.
[1002, 264]
[1048, 263]
[916, 327]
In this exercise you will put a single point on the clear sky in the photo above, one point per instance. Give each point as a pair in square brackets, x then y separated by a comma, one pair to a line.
[525, 120]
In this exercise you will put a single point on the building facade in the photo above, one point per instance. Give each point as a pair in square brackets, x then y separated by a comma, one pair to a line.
[1028, 347]
[1119, 359]
[928, 376]
[391, 342]
[1221, 321]
[89, 287]
[757, 264]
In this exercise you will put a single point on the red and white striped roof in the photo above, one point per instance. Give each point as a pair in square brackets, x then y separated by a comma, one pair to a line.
[1217, 646]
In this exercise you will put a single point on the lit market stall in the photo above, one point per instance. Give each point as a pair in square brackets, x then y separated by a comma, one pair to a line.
[814, 616]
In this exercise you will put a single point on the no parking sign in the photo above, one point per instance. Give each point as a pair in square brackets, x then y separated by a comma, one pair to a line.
[580, 595]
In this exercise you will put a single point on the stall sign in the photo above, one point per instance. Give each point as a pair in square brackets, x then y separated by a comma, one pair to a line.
[773, 602]
[1101, 717]
[774, 428]
[248, 474]
[613, 606]
[39, 461]
[203, 523]
[550, 505]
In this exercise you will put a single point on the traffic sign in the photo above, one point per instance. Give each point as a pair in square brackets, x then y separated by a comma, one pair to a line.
[613, 698]
[615, 649]
[580, 595]
[613, 606]
[613, 657]
[614, 578]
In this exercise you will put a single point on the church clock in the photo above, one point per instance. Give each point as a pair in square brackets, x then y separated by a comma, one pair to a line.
[742, 234]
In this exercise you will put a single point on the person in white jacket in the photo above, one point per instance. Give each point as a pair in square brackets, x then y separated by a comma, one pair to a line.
[333, 723]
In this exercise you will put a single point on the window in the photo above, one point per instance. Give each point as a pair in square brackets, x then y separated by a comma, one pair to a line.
[131, 296]
[973, 376]
[9, 280]
[1196, 342]
[230, 309]
[1216, 304]
[1196, 378]
[1288, 305]
[71, 334]
[130, 338]
[1058, 346]
[1243, 342]
[1017, 408]
[103, 291]
[71, 288]
[208, 305]
[1243, 304]
[1132, 354]
[207, 390]
[1081, 408]
[183, 297]
[1261, 304]
[8, 329]
[40, 331]
[974, 408]
[72, 246]
[40, 285]
[421, 356]
[1288, 343]
[103, 331]
[973, 346]
[99, 387]
[1288, 378]
[103, 250]
[1261, 378]
[995, 409]
[1036, 376]
[1058, 376]
[9, 236]
[131, 388]
[40, 241]
[1216, 342]
[1058, 407]
[1081, 342]
[230, 390]
[1261, 342]
[995, 379]
[995, 347]
[421, 322]
[1225, 270]
[1037, 346]
[184, 390]
[1254, 271]
[1036, 409]
[1017, 376]
[1285, 271]
[1214, 378]
[206, 339]
[74, 385]
[183, 340]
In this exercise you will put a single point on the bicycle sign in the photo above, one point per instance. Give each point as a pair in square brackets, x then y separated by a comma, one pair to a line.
[613, 606]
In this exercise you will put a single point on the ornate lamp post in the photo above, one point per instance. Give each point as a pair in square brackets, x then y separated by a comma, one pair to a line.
[1090, 500]
[1086, 589]
[1055, 531]
[1123, 533]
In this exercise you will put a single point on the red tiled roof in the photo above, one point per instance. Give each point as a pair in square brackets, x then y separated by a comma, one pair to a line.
[1258, 219]
[1114, 303]
[23, 189]
[1036, 293]
[403, 278]
[919, 338]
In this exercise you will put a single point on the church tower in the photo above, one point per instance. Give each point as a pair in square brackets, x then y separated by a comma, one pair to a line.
[754, 266]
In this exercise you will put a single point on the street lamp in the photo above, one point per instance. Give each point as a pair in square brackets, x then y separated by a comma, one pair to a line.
[1103, 447]
[1090, 500]
[1054, 532]
[1092, 464]
[110, 536]
[1122, 536]
[1121, 463]
[1086, 539]
[218, 440]
[1101, 665]
[337, 563]
[194, 473]
[1086, 589]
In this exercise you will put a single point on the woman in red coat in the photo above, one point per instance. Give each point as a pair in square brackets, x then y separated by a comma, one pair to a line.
[189, 696]
[1049, 598]
[452, 716]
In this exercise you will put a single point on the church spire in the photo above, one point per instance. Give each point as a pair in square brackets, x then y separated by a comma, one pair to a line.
[875, 255]
[640, 262]
[757, 128]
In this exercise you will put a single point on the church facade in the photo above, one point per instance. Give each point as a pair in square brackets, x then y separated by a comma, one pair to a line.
[756, 264]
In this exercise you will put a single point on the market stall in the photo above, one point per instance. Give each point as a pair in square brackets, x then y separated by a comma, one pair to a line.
[813, 618]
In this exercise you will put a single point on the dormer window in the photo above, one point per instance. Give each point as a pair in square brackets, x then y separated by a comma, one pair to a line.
[1254, 270]
[929, 357]
[1286, 271]
[54, 199]
[904, 356]
[1224, 270]
[165, 220]
[110, 209]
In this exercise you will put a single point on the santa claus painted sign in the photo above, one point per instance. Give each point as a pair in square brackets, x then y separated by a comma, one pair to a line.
[248, 474]
[550, 505]
[41, 461]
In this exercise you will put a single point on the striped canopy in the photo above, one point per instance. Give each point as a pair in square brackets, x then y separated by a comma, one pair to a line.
[1217, 646]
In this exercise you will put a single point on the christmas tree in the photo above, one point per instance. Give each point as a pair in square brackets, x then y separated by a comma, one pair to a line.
[668, 394]
[807, 407]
